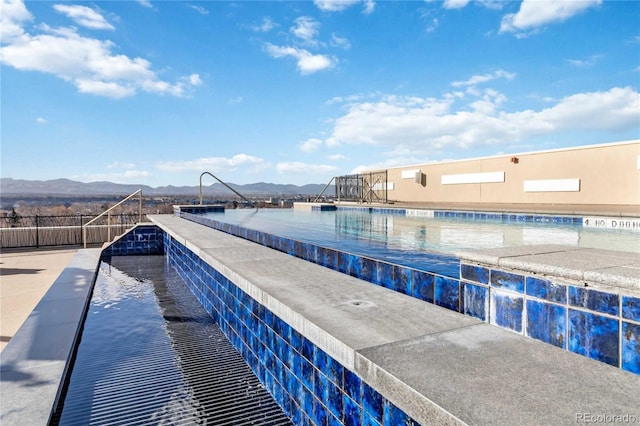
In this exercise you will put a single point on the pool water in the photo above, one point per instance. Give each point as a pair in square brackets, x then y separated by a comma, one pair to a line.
[426, 244]
[150, 354]
[406, 233]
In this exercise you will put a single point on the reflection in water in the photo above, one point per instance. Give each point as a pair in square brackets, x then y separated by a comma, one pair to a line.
[447, 235]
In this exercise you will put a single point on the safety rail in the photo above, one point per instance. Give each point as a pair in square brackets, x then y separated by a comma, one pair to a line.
[323, 189]
[108, 213]
[234, 191]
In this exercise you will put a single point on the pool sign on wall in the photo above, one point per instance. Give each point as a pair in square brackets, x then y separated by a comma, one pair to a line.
[632, 224]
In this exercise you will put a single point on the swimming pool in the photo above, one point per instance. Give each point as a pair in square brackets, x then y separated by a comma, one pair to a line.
[398, 231]
[423, 243]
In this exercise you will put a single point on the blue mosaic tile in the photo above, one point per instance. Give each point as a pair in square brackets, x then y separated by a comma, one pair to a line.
[352, 385]
[475, 301]
[352, 412]
[507, 310]
[423, 286]
[595, 300]
[544, 289]
[631, 347]
[307, 401]
[507, 281]
[333, 421]
[307, 373]
[320, 412]
[547, 323]
[385, 274]
[631, 308]
[367, 420]
[355, 266]
[334, 371]
[372, 403]
[369, 270]
[333, 399]
[447, 293]
[402, 279]
[393, 416]
[474, 273]
[343, 262]
[594, 336]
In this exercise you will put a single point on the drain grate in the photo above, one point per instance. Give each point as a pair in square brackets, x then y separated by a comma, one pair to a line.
[150, 354]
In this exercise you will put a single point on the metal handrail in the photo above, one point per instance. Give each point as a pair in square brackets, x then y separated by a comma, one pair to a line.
[236, 192]
[108, 213]
[324, 189]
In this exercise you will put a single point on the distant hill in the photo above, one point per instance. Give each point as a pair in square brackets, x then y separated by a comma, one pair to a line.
[9, 186]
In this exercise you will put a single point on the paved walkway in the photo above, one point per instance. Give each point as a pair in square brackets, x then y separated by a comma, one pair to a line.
[25, 276]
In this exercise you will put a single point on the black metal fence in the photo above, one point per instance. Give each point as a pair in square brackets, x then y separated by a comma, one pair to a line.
[41, 231]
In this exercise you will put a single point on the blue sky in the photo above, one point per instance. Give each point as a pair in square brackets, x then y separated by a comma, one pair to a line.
[156, 92]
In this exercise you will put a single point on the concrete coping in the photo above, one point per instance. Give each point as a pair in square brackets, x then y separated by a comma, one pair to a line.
[586, 265]
[439, 366]
[35, 361]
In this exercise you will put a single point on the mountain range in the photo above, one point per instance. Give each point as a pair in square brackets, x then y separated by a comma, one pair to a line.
[9, 186]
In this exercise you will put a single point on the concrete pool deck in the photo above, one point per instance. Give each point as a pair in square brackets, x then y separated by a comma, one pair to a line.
[25, 276]
[35, 360]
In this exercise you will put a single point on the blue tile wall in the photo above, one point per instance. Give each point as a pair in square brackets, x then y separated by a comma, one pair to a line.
[576, 318]
[141, 240]
[507, 217]
[547, 322]
[507, 310]
[475, 301]
[493, 295]
[507, 281]
[309, 385]
[544, 289]
[594, 300]
[595, 336]
[630, 347]
[631, 308]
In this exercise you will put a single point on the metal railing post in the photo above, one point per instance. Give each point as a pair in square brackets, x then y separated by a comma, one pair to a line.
[235, 192]
[108, 213]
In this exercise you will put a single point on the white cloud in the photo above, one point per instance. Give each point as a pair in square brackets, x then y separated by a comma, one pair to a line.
[296, 167]
[85, 16]
[306, 29]
[308, 63]
[145, 3]
[454, 4]
[340, 42]
[423, 125]
[41, 120]
[88, 63]
[335, 5]
[215, 164]
[266, 25]
[592, 60]
[534, 14]
[310, 145]
[201, 10]
[484, 78]
[14, 13]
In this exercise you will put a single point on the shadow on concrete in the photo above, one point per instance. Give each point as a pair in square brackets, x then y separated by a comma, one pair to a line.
[18, 271]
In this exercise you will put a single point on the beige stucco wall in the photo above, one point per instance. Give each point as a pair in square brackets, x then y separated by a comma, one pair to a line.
[608, 175]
